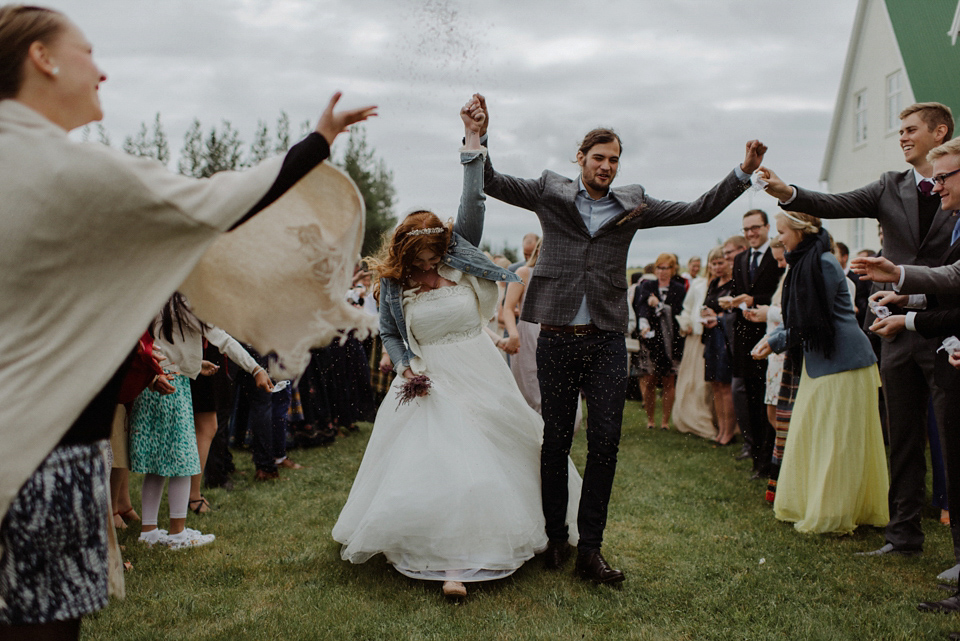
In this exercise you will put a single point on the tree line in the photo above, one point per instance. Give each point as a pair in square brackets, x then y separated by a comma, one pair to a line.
[208, 151]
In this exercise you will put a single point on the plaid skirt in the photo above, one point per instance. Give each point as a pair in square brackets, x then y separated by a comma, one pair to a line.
[789, 383]
[54, 565]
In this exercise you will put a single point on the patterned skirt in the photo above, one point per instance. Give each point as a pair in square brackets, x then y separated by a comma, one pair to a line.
[789, 383]
[163, 437]
[54, 539]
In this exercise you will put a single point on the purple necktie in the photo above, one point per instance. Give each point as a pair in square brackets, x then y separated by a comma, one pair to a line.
[926, 187]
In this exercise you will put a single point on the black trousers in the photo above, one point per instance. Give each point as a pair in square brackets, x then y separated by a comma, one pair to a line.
[566, 364]
[763, 434]
[948, 425]
[907, 372]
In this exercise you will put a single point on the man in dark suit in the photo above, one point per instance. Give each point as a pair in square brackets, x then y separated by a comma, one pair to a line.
[916, 231]
[578, 295]
[755, 279]
[940, 319]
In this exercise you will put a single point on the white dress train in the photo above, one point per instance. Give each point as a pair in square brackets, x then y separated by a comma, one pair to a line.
[449, 486]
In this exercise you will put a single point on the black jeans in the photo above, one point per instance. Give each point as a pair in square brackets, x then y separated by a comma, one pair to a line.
[566, 364]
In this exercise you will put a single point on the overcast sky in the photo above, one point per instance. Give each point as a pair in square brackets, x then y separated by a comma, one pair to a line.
[685, 82]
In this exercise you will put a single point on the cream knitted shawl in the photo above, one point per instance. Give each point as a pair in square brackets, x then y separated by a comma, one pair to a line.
[93, 242]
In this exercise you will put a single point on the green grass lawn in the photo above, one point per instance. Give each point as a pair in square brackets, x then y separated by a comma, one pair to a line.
[703, 556]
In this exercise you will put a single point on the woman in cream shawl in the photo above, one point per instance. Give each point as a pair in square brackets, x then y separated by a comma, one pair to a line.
[92, 242]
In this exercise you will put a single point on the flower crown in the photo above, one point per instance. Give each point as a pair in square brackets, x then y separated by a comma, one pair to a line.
[424, 232]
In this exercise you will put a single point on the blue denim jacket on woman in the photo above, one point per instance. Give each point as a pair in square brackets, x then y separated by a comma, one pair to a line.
[462, 254]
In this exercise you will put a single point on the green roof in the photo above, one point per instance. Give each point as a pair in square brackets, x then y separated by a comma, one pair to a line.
[932, 63]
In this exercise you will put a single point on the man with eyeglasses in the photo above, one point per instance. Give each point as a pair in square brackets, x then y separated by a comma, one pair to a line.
[940, 320]
[917, 231]
[755, 279]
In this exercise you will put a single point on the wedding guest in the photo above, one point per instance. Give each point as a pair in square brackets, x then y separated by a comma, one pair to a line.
[783, 372]
[834, 474]
[693, 408]
[917, 231]
[718, 345]
[658, 304]
[64, 203]
[522, 335]
[755, 278]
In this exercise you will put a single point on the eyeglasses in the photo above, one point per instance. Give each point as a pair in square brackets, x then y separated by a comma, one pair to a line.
[747, 230]
[942, 178]
[663, 268]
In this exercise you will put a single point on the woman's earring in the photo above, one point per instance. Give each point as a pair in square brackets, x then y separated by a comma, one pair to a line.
[55, 71]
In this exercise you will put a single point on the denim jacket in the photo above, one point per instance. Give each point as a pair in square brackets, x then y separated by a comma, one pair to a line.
[462, 254]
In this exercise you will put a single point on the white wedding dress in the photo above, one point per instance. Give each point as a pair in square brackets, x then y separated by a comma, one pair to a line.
[449, 485]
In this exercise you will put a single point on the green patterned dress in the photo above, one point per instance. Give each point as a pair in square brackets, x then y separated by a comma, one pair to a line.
[163, 438]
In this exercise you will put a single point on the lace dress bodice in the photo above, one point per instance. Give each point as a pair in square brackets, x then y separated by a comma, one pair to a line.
[444, 315]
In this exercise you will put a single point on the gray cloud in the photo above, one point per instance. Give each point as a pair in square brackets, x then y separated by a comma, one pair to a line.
[685, 82]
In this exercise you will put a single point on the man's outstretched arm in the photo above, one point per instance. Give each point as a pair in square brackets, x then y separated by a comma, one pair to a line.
[659, 213]
[519, 192]
[859, 203]
[909, 279]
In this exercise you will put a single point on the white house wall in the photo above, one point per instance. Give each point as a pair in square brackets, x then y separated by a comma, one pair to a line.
[853, 165]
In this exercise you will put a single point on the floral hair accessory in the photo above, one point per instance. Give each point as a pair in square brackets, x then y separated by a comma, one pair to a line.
[424, 232]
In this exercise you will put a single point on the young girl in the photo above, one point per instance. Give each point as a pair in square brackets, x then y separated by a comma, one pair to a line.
[163, 439]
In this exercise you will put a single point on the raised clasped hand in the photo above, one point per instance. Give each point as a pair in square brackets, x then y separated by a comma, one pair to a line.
[753, 157]
[473, 115]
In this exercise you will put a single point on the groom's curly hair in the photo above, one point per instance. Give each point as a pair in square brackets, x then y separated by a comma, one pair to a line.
[396, 256]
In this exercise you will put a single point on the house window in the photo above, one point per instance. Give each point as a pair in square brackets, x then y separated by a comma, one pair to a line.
[859, 237]
[860, 118]
[894, 100]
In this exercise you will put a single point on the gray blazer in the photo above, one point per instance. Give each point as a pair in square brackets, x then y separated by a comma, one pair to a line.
[572, 263]
[933, 280]
[893, 202]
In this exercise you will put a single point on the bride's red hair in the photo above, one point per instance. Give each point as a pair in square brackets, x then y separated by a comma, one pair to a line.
[396, 256]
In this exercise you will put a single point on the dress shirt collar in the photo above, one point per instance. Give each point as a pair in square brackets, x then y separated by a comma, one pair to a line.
[583, 191]
[762, 249]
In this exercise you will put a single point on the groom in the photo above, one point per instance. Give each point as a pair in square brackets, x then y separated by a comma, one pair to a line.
[578, 295]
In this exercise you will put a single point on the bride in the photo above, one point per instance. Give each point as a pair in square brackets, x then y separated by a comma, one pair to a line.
[449, 486]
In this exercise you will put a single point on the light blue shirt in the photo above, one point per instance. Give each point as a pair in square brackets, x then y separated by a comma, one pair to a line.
[597, 212]
[594, 213]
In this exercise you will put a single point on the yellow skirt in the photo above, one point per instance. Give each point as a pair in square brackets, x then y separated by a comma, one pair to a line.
[834, 472]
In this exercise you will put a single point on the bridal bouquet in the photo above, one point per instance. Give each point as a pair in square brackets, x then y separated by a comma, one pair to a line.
[413, 388]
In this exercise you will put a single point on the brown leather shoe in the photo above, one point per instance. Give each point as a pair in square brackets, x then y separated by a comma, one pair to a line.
[593, 567]
[556, 555]
[263, 475]
[290, 465]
